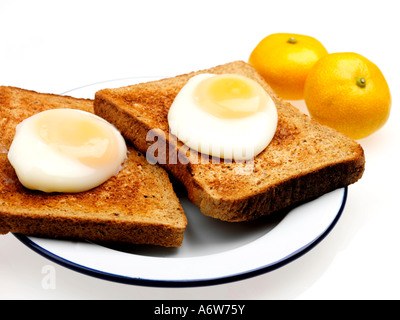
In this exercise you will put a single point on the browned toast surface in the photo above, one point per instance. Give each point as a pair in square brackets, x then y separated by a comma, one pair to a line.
[138, 205]
[304, 160]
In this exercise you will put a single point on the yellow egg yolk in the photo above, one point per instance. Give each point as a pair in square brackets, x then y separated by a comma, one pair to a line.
[78, 136]
[230, 96]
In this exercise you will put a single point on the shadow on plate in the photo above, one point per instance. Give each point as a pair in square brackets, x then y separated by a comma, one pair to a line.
[205, 235]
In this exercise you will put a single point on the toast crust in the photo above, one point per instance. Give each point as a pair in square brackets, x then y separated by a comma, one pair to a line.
[303, 161]
[138, 205]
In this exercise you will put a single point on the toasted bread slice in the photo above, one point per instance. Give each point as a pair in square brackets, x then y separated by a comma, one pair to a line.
[136, 206]
[303, 161]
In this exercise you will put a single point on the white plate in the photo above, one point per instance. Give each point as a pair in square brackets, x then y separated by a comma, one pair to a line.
[212, 252]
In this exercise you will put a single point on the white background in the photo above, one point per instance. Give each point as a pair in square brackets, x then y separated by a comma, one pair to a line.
[55, 46]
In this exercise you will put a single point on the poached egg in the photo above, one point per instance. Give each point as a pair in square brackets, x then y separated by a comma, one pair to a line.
[227, 116]
[66, 150]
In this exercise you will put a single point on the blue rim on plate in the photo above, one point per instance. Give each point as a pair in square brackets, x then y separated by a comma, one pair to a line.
[184, 283]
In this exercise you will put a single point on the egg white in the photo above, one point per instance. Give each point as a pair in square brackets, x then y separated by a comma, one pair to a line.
[40, 167]
[235, 139]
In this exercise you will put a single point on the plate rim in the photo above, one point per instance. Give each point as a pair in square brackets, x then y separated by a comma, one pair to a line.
[185, 283]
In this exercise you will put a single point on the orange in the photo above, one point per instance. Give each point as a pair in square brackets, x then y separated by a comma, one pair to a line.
[349, 93]
[284, 60]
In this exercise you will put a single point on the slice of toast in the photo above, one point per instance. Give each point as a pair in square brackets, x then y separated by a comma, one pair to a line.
[303, 161]
[136, 206]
